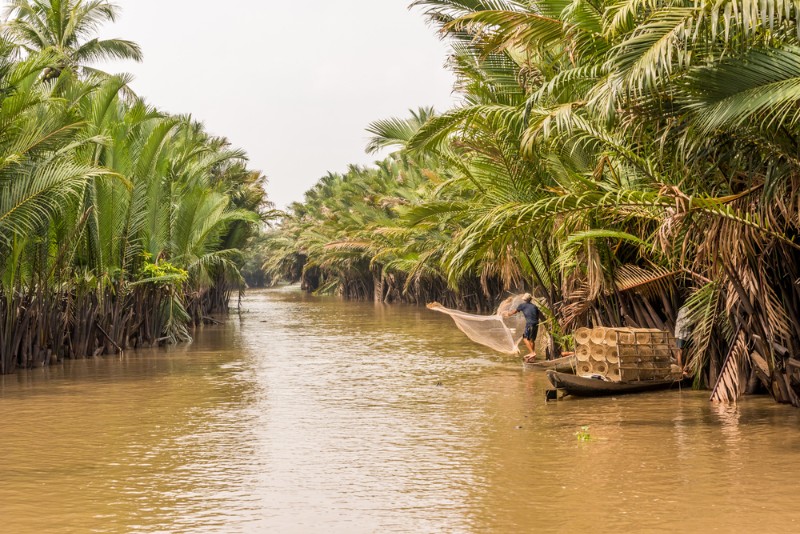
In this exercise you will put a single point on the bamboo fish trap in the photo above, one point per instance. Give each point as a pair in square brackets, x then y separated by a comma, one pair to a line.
[624, 354]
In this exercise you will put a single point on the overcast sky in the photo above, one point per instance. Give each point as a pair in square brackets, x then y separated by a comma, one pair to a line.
[295, 84]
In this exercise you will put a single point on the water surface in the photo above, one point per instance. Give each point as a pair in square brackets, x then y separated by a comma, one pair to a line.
[307, 414]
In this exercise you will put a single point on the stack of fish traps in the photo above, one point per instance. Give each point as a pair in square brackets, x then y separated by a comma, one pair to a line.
[624, 354]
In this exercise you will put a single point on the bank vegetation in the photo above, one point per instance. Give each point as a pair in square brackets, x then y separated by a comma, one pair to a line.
[120, 225]
[622, 159]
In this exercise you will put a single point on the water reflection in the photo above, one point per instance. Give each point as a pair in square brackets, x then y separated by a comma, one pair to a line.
[313, 415]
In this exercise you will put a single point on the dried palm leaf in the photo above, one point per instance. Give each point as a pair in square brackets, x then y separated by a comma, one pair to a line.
[647, 282]
[732, 379]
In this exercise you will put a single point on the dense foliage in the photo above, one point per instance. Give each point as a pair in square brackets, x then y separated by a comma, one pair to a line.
[623, 159]
[119, 224]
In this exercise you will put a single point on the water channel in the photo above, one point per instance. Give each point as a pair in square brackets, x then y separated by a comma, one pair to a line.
[304, 414]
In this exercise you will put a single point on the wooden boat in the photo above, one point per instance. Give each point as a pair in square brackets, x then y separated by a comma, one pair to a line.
[582, 386]
[565, 364]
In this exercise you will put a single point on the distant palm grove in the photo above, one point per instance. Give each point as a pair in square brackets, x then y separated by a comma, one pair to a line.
[120, 225]
[621, 159]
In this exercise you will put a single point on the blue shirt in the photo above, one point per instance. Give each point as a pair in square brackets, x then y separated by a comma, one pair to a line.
[530, 312]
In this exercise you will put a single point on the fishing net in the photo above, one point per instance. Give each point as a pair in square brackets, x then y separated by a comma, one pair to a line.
[493, 331]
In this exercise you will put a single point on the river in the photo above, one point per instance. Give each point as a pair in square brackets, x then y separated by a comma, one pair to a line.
[304, 414]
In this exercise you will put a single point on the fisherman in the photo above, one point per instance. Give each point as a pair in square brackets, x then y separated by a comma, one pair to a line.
[531, 313]
[683, 333]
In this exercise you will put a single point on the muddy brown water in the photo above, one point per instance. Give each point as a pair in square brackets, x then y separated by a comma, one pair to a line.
[307, 414]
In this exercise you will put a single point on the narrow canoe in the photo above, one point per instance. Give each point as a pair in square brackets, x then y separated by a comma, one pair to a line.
[565, 364]
[582, 386]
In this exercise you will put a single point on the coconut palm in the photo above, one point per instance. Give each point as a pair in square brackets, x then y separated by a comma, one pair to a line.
[66, 29]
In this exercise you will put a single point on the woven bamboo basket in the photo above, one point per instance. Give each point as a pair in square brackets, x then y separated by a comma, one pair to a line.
[647, 371]
[599, 335]
[583, 336]
[629, 374]
[659, 337]
[598, 352]
[582, 353]
[643, 337]
[628, 351]
[661, 354]
[614, 374]
[626, 335]
[611, 337]
[584, 368]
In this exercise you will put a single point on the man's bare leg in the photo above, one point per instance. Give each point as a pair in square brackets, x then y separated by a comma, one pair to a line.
[532, 354]
[682, 365]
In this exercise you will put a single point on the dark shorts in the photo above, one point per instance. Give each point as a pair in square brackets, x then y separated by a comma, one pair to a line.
[680, 342]
[530, 331]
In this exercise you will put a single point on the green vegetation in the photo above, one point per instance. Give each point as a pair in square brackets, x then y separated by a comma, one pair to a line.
[119, 224]
[622, 159]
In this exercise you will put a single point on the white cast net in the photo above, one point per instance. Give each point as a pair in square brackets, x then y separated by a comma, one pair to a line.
[493, 331]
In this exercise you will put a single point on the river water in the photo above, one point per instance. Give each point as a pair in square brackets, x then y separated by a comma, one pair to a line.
[305, 414]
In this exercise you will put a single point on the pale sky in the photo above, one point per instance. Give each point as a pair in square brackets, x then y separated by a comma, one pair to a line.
[294, 84]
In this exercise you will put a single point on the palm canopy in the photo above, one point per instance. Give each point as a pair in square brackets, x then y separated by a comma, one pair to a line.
[67, 29]
[119, 224]
[624, 159]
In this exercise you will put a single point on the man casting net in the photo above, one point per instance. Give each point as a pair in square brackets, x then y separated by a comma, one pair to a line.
[497, 332]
